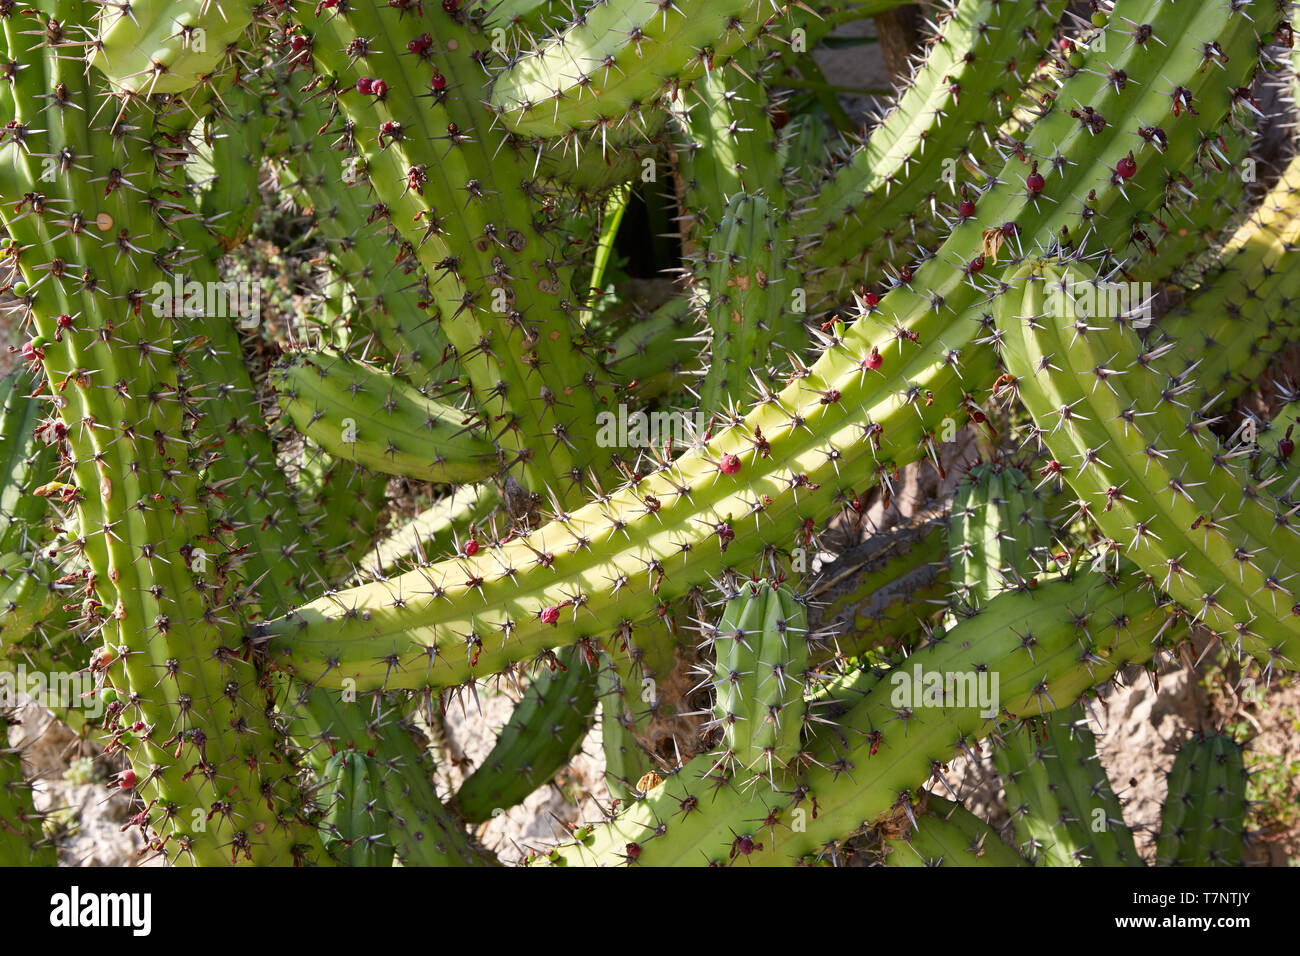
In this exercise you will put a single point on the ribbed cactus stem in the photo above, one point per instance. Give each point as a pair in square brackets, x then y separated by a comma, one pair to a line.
[872, 402]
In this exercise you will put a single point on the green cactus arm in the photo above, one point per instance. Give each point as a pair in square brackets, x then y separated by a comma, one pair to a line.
[750, 300]
[626, 762]
[264, 542]
[502, 283]
[653, 356]
[543, 733]
[617, 59]
[362, 414]
[880, 593]
[1046, 647]
[228, 164]
[332, 183]
[1203, 822]
[928, 363]
[729, 142]
[998, 533]
[407, 817]
[947, 834]
[341, 506]
[1063, 810]
[1240, 317]
[446, 525]
[944, 123]
[22, 842]
[1152, 477]
[761, 645]
[611, 218]
[139, 502]
[161, 46]
[354, 831]
[31, 595]
[1187, 246]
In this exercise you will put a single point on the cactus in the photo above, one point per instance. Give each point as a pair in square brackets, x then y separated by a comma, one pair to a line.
[22, 842]
[355, 829]
[273, 535]
[1154, 478]
[945, 834]
[360, 414]
[746, 271]
[543, 733]
[30, 596]
[397, 812]
[1047, 646]
[1203, 822]
[999, 536]
[154, 47]
[1063, 810]
[945, 123]
[616, 60]
[761, 645]
[1224, 342]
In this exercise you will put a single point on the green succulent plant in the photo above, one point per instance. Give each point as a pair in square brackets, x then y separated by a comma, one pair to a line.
[207, 521]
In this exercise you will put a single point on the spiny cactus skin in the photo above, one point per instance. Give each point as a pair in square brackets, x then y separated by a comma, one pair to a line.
[22, 842]
[626, 762]
[379, 296]
[168, 624]
[998, 533]
[761, 645]
[1203, 822]
[619, 58]
[487, 232]
[229, 164]
[359, 413]
[205, 570]
[654, 353]
[161, 46]
[545, 730]
[729, 141]
[747, 298]
[1063, 810]
[1048, 646]
[927, 159]
[1150, 472]
[30, 598]
[936, 356]
[355, 829]
[1228, 328]
[407, 817]
[943, 833]
[899, 579]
